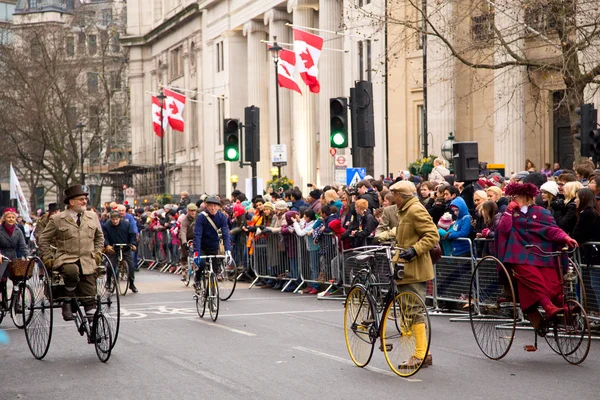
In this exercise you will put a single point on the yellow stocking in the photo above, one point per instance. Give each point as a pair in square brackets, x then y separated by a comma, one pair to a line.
[420, 339]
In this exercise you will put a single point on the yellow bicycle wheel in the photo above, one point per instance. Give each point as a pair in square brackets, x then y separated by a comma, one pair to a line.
[406, 334]
[359, 321]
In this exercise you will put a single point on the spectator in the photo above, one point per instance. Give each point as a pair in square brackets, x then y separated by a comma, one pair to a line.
[386, 230]
[491, 219]
[566, 218]
[439, 204]
[362, 227]
[332, 199]
[450, 193]
[314, 200]
[549, 193]
[529, 166]
[306, 229]
[427, 193]
[460, 229]
[439, 171]
[444, 225]
[297, 201]
[583, 172]
[547, 170]
[289, 241]
[366, 192]
[495, 194]
[555, 168]
[562, 180]
[594, 186]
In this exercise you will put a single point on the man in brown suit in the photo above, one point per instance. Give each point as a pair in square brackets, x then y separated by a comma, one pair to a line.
[43, 221]
[79, 242]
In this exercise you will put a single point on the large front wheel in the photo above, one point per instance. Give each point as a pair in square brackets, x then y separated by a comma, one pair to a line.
[359, 325]
[37, 309]
[123, 277]
[492, 308]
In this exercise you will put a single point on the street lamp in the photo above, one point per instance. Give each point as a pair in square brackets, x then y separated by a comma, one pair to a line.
[161, 98]
[275, 49]
[234, 179]
[447, 149]
[80, 126]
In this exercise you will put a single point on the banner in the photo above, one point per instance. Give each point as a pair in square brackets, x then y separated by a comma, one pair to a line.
[16, 192]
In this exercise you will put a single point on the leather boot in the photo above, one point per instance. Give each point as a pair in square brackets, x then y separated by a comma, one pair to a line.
[132, 287]
[67, 313]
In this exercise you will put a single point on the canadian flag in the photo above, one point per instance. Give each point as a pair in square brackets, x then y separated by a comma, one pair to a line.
[156, 121]
[175, 103]
[308, 50]
[285, 70]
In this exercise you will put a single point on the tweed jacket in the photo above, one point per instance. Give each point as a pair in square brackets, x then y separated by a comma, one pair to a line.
[536, 227]
[40, 225]
[416, 229]
[10, 244]
[74, 243]
[386, 230]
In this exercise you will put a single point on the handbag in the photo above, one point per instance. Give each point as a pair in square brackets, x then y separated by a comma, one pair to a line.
[221, 246]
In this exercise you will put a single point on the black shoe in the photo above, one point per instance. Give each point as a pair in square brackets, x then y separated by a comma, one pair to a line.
[132, 287]
[67, 313]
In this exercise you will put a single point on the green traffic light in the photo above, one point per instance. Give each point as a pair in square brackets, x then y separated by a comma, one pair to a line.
[338, 139]
[231, 154]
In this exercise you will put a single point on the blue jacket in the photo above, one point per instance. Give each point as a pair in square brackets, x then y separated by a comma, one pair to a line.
[297, 205]
[129, 218]
[120, 234]
[206, 237]
[461, 228]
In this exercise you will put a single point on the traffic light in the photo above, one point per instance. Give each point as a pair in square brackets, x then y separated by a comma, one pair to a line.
[586, 124]
[231, 139]
[338, 112]
[594, 135]
[363, 106]
[252, 128]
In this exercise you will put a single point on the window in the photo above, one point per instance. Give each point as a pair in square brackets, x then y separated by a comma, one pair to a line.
[80, 43]
[70, 46]
[40, 191]
[93, 118]
[482, 27]
[92, 44]
[176, 63]
[221, 114]
[222, 178]
[106, 17]
[92, 82]
[116, 45]
[220, 57]
[115, 80]
[362, 3]
[6, 12]
[364, 60]
[72, 117]
[33, 3]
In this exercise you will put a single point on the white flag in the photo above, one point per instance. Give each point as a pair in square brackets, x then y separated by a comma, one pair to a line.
[16, 192]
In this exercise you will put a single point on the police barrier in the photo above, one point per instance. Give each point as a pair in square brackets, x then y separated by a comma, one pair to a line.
[589, 262]
[452, 278]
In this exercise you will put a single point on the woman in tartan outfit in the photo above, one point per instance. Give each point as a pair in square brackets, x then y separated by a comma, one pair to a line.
[523, 223]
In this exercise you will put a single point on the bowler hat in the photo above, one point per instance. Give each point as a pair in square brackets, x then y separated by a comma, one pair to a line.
[52, 207]
[74, 191]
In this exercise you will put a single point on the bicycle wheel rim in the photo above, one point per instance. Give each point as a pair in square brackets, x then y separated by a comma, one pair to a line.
[359, 336]
[213, 299]
[103, 338]
[398, 333]
[201, 298]
[37, 309]
[572, 333]
[16, 308]
[110, 305]
[228, 275]
[493, 324]
[123, 279]
[188, 278]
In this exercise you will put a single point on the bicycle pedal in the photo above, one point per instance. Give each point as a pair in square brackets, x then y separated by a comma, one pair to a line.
[529, 348]
[388, 347]
[367, 322]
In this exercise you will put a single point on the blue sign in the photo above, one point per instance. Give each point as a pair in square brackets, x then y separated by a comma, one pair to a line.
[353, 175]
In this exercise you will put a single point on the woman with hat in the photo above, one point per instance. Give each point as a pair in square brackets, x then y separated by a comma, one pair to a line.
[550, 196]
[523, 223]
[12, 242]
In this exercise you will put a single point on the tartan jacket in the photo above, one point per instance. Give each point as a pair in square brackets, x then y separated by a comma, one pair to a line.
[537, 227]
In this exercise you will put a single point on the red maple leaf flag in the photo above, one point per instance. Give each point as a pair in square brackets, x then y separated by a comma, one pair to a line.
[175, 102]
[156, 122]
[285, 70]
[308, 50]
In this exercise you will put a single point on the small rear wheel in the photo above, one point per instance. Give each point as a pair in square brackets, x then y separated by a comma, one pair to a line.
[201, 295]
[572, 333]
[123, 277]
[37, 309]
[227, 280]
[102, 337]
[213, 296]
[359, 321]
[492, 308]
[16, 306]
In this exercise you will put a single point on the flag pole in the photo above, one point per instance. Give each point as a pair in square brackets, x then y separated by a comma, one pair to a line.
[162, 98]
[269, 42]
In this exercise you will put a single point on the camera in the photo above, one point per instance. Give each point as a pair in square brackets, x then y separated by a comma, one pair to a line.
[399, 271]
[352, 190]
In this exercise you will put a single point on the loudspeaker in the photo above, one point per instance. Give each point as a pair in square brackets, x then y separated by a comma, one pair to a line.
[363, 106]
[466, 161]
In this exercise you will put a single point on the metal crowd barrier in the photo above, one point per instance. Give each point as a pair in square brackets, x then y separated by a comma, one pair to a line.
[452, 278]
[588, 259]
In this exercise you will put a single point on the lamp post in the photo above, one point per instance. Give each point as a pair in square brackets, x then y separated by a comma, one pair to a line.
[447, 149]
[234, 179]
[80, 126]
[161, 97]
[275, 49]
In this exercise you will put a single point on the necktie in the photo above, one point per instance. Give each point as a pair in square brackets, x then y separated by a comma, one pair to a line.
[78, 219]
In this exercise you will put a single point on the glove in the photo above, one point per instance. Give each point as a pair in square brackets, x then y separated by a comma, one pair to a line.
[197, 259]
[98, 258]
[485, 232]
[512, 206]
[408, 254]
[228, 257]
[48, 262]
[571, 242]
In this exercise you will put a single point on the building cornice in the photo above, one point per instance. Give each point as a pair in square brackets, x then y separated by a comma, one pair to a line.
[254, 26]
[276, 15]
[182, 16]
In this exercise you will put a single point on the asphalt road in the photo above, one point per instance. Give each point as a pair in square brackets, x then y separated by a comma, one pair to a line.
[269, 345]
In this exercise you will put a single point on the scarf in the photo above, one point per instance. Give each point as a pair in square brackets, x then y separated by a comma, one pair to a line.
[8, 228]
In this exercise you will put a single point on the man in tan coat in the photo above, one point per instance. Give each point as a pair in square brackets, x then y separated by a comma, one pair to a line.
[43, 221]
[79, 241]
[417, 235]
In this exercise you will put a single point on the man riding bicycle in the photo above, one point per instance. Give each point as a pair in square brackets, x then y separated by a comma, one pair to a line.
[210, 228]
[119, 231]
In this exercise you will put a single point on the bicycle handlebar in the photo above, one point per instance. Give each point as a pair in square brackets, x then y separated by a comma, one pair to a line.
[550, 253]
[217, 256]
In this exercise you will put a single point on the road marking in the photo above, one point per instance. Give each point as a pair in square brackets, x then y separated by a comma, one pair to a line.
[210, 376]
[281, 313]
[228, 301]
[227, 328]
[346, 361]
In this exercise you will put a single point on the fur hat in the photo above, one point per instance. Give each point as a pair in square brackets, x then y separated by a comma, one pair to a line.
[522, 189]
[445, 221]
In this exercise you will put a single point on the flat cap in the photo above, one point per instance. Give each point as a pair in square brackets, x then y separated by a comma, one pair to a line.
[404, 188]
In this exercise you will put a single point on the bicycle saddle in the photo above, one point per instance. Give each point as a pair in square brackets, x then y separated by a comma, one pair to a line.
[364, 257]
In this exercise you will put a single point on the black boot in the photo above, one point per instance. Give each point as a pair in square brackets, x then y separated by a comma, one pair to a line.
[132, 287]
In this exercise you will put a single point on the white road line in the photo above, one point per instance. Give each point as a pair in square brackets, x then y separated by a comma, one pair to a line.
[346, 361]
[208, 375]
[228, 301]
[281, 313]
[227, 328]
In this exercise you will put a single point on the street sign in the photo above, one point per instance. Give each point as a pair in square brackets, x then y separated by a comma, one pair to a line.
[340, 161]
[353, 175]
[332, 152]
[279, 155]
[130, 192]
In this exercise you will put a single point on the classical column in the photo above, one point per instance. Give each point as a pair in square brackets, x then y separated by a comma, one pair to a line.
[509, 105]
[258, 84]
[139, 140]
[332, 83]
[441, 78]
[304, 107]
[276, 20]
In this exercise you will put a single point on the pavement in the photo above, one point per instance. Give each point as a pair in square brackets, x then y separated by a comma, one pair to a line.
[269, 345]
